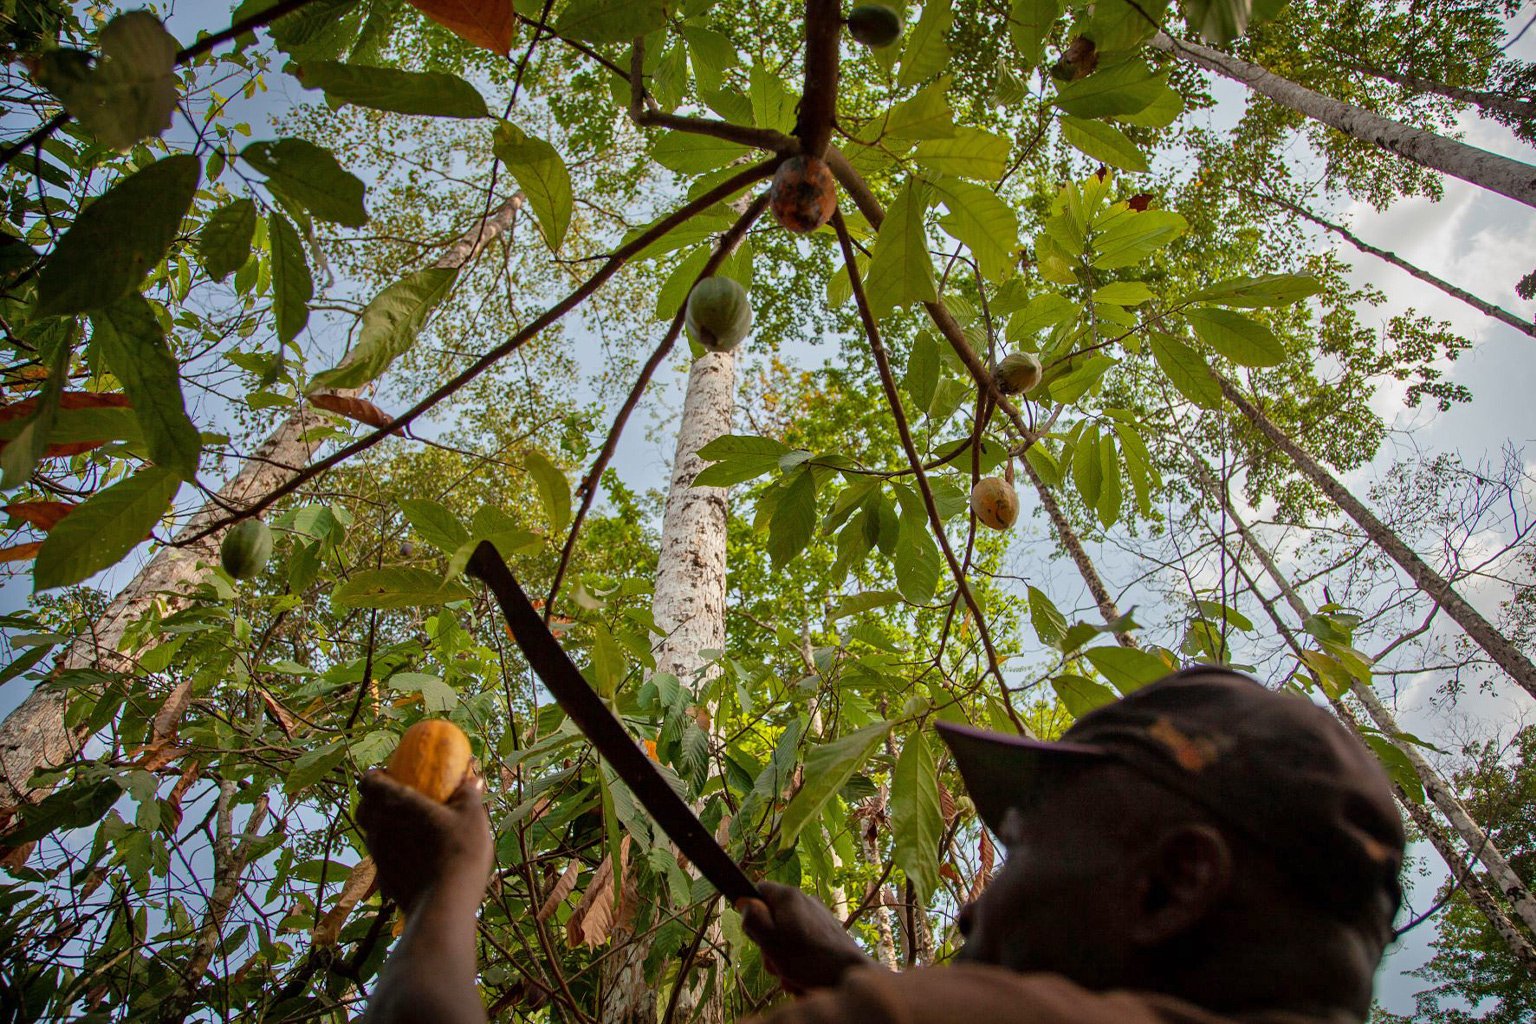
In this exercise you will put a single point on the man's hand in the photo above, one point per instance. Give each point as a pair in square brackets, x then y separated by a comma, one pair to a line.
[422, 846]
[803, 944]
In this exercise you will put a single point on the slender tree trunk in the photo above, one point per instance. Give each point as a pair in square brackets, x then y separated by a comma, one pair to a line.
[1481, 305]
[1478, 166]
[231, 854]
[1504, 653]
[1502, 874]
[1484, 99]
[33, 736]
[689, 609]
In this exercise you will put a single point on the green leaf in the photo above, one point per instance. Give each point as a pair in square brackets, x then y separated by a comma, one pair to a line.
[224, 243]
[1081, 694]
[117, 239]
[924, 116]
[310, 176]
[430, 93]
[610, 21]
[1117, 90]
[1165, 108]
[1087, 472]
[1127, 668]
[1123, 293]
[1029, 24]
[1218, 22]
[773, 106]
[922, 376]
[1110, 494]
[794, 518]
[310, 768]
[1253, 292]
[1050, 625]
[1104, 142]
[391, 323]
[926, 52]
[104, 528]
[711, 54]
[74, 806]
[132, 343]
[688, 153]
[828, 767]
[436, 695]
[396, 587]
[542, 176]
[1186, 370]
[130, 94]
[1048, 309]
[1134, 236]
[1398, 767]
[985, 223]
[917, 823]
[917, 560]
[738, 457]
[292, 285]
[900, 272]
[867, 601]
[969, 153]
[1242, 340]
[554, 488]
[436, 524]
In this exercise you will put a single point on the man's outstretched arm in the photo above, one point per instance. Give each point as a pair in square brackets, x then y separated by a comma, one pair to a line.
[434, 860]
[804, 945]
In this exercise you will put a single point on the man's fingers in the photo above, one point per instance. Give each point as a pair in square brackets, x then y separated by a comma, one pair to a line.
[471, 793]
[756, 918]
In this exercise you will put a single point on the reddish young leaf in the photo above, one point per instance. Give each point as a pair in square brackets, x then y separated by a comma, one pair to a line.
[1140, 201]
[486, 23]
[352, 408]
[44, 515]
[21, 552]
[68, 400]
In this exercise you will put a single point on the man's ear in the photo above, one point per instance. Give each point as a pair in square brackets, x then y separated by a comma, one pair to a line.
[1184, 873]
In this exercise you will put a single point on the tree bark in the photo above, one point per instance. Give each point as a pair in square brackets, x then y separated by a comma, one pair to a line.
[1481, 305]
[33, 736]
[689, 609]
[1482, 98]
[1478, 166]
[1504, 653]
[1476, 838]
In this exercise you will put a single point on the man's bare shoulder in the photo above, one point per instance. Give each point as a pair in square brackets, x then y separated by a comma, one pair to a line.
[979, 994]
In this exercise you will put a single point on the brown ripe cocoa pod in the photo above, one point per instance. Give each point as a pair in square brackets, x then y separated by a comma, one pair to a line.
[1018, 373]
[804, 194]
[433, 757]
[994, 502]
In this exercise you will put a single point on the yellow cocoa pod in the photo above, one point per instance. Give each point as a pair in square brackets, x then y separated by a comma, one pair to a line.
[994, 502]
[1018, 373]
[433, 757]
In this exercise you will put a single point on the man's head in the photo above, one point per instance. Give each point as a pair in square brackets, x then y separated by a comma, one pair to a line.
[1204, 837]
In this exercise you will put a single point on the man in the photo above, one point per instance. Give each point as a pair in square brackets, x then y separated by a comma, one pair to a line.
[1204, 850]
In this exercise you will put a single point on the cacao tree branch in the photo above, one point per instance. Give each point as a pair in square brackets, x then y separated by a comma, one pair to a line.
[818, 101]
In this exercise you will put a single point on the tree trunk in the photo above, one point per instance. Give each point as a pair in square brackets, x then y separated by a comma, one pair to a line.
[1481, 305]
[1439, 792]
[689, 608]
[1478, 166]
[1504, 653]
[33, 736]
[1484, 99]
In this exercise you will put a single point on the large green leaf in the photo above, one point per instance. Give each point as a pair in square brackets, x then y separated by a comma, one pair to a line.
[1253, 292]
[431, 93]
[1111, 495]
[542, 176]
[917, 823]
[828, 767]
[1134, 236]
[969, 153]
[224, 243]
[118, 239]
[924, 116]
[1050, 625]
[687, 153]
[396, 587]
[610, 21]
[1127, 668]
[1120, 89]
[130, 340]
[32, 433]
[901, 271]
[310, 176]
[917, 560]
[292, 285]
[554, 488]
[926, 52]
[1087, 471]
[104, 528]
[1081, 694]
[738, 457]
[390, 325]
[984, 222]
[1103, 142]
[436, 524]
[130, 93]
[1217, 21]
[1186, 370]
[1241, 339]
[1029, 24]
[794, 517]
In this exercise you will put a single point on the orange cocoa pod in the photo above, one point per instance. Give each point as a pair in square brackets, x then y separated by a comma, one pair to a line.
[804, 194]
[433, 757]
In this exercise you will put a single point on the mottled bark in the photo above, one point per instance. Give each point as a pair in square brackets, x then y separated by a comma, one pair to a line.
[1486, 100]
[1438, 588]
[1477, 166]
[33, 736]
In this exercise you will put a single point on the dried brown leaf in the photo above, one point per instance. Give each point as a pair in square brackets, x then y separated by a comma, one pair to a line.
[44, 515]
[486, 23]
[359, 886]
[21, 552]
[563, 888]
[352, 408]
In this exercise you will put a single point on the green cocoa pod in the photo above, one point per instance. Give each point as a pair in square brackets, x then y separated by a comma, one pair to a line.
[1018, 373]
[246, 548]
[719, 313]
[875, 25]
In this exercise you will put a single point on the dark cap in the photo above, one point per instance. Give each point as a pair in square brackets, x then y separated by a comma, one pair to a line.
[1274, 766]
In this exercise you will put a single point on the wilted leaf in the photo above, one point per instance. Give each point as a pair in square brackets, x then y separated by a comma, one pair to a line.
[21, 552]
[486, 23]
[352, 408]
[563, 888]
[44, 515]
[360, 884]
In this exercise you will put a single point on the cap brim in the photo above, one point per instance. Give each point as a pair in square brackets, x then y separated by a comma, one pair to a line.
[1000, 771]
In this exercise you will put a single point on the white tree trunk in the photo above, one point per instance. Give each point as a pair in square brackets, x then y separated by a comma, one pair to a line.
[1478, 166]
[1436, 788]
[1485, 100]
[1506, 654]
[33, 736]
[689, 608]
